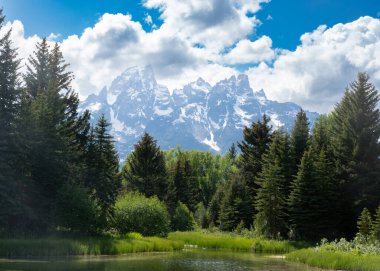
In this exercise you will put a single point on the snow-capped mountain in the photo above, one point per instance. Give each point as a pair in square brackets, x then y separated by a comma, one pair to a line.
[198, 116]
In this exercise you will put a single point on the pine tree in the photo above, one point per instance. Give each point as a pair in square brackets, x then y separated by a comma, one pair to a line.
[376, 225]
[182, 186]
[310, 200]
[12, 176]
[236, 205]
[328, 209]
[364, 223]
[37, 75]
[213, 210]
[300, 137]
[103, 167]
[56, 133]
[356, 131]
[273, 182]
[256, 141]
[232, 152]
[145, 170]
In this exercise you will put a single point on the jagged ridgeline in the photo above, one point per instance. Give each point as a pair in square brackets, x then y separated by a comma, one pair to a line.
[198, 116]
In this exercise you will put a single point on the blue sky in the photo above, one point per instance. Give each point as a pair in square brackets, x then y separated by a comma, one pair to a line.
[284, 21]
[283, 46]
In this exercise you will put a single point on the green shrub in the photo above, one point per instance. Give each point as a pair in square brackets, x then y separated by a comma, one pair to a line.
[77, 210]
[183, 219]
[136, 213]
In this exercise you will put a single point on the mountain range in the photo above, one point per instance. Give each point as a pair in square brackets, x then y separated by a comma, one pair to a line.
[198, 116]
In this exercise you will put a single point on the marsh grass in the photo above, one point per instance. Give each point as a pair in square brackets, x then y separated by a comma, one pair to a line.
[220, 240]
[53, 247]
[336, 260]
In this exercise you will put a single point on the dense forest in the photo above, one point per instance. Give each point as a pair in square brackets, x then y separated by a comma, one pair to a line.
[59, 173]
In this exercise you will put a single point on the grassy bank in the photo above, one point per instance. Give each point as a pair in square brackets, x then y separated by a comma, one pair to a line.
[50, 247]
[234, 242]
[336, 260]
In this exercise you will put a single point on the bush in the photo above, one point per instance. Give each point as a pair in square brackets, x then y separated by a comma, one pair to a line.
[183, 219]
[77, 211]
[136, 213]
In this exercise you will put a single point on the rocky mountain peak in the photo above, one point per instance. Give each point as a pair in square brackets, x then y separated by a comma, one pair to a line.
[198, 116]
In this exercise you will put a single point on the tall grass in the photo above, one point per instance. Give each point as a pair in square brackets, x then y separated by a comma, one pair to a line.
[336, 260]
[51, 247]
[234, 242]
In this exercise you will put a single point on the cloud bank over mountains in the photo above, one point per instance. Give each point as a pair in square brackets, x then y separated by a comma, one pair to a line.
[213, 39]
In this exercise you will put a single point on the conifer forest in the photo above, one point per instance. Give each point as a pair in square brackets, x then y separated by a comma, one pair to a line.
[59, 174]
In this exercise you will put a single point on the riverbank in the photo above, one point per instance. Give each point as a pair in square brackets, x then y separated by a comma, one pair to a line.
[131, 243]
[218, 240]
[53, 247]
[336, 260]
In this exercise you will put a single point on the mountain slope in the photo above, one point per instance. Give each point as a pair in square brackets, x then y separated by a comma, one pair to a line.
[198, 116]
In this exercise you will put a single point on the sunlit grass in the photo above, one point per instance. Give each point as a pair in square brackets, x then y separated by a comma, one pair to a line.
[50, 247]
[234, 242]
[336, 260]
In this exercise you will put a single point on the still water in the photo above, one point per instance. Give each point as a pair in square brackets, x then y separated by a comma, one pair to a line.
[179, 261]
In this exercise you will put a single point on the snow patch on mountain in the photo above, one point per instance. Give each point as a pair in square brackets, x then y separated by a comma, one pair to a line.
[198, 116]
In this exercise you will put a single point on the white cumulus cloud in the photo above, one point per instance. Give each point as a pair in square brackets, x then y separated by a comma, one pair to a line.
[206, 38]
[247, 51]
[327, 60]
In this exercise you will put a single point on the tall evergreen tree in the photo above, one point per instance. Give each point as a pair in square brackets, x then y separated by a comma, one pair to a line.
[311, 209]
[356, 131]
[213, 210]
[376, 225]
[145, 170]
[12, 197]
[273, 183]
[103, 167]
[300, 137]
[364, 223]
[181, 187]
[57, 134]
[256, 141]
[37, 75]
[232, 152]
[236, 206]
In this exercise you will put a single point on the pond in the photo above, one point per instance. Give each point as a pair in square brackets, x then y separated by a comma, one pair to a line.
[195, 260]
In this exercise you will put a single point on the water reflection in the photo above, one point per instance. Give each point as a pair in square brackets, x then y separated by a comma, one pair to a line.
[179, 261]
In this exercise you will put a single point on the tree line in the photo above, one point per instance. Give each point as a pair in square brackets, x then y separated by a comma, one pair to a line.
[60, 173]
[56, 170]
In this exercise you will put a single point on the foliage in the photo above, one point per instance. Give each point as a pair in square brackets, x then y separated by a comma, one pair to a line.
[201, 216]
[356, 132]
[256, 141]
[376, 225]
[300, 136]
[102, 162]
[136, 213]
[311, 199]
[183, 219]
[77, 210]
[183, 185]
[145, 171]
[273, 182]
[365, 223]
[236, 205]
